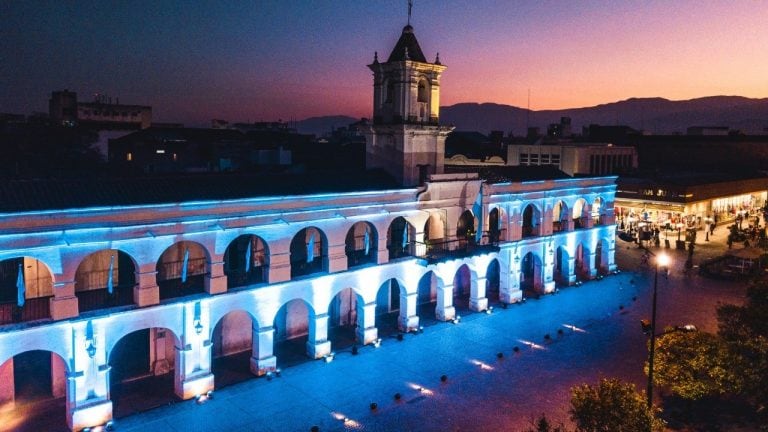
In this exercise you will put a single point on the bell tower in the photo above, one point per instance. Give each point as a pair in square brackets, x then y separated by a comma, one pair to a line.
[406, 138]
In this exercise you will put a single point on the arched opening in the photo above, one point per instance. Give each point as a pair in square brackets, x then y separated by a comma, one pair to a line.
[494, 226]
[308, 251]
[181, 270]
[291, 326]
[390, 91]
[232, 348]
[462, 288]
[388, 307]
[530, 276]
[343, 313]
[465, 229]
[434, 234]
[246, 261]
[531, 218]
[105, 279]
[141, 375]
[580, 214]
[493, 282]
[26, 286]
[559, 217]
[361, 245]
[426, 298]
[597, 212]
[33, 391]
[423, 90]
[582, 262]
[562, 266]
[400, 238]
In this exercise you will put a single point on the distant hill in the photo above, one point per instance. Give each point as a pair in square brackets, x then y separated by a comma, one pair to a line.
[654, 115]
[320, 126]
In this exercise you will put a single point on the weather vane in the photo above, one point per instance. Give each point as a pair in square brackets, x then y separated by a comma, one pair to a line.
[410, 6]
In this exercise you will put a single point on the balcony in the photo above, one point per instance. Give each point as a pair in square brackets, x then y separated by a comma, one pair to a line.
[440, 251]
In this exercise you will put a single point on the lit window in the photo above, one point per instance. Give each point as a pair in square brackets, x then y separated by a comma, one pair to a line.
[129, 157]
[174, 157]
[160, 151]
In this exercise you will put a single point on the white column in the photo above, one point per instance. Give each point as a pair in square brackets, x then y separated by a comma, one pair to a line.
[445, 310]
[478, 301]
[88, 402]
[366, 323]
[146, 292]
[262, 356]
[549, 267]
[216, 281]
[318, 345]
[590, 263]
[509, 281]
[192, 369]
[63, 304]
[571, 269]
[408, 320]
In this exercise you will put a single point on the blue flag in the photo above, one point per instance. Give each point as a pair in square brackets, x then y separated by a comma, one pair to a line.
[405, 236]
[184, 265]
[477, 209]
[248, 257]
[311, 248]
[21, 289]
[111, 273]
[367, 242]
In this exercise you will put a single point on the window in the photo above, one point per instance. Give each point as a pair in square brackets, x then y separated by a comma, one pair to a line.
[129, 156]
[534, 159]
[544, 159]
[523, 158]
[555, 159]
[390, 91]
[423, 92]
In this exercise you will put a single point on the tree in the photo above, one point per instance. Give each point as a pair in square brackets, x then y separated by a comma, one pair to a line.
[542, 424]
[612, 406]
[693, 365]
[744, 330]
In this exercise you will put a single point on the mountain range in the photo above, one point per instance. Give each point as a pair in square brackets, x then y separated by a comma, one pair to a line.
[653, 115]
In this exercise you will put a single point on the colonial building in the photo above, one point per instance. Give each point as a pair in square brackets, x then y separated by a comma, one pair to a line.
[117, 285]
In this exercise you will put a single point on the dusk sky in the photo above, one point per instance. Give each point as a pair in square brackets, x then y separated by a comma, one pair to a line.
[282, 59]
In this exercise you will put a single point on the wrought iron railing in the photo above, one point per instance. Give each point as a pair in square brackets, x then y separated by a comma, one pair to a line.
[302, 267]
[436, 251]
[33, 309]
[239, 277]
[93, 299]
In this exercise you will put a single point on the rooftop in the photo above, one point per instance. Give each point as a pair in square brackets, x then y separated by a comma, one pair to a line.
[407, 42]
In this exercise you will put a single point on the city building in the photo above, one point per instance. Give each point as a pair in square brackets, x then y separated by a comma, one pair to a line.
[109, 282]
[683, 199]
[575, 158]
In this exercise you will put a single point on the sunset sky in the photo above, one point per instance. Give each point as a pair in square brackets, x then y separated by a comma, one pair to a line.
[281, 59]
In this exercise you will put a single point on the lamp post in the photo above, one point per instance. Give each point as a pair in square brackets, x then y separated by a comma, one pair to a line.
[662, 260]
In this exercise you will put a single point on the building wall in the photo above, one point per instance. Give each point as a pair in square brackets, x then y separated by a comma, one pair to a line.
[187, 332]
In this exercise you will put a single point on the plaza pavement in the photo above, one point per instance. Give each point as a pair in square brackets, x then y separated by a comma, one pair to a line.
[593, 330]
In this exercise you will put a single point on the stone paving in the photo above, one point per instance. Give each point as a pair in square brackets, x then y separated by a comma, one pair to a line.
[600, 337]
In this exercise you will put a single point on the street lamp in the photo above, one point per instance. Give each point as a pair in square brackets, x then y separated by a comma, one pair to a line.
[662, 260]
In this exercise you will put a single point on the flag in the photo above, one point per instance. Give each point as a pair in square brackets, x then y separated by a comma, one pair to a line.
[184, 264]
[477, 209]
[367, 242]
[405, 236]
[248, 257]
[111, 273]
[21, 289]
[311, 248]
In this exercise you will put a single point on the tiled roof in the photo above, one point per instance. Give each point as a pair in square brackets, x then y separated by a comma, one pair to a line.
[407, 40]
[29, 195]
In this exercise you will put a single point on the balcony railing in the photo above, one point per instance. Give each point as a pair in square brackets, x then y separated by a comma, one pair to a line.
[437, 251]
[93, 299]
[33, 309]
[302, 267]
[240, 277]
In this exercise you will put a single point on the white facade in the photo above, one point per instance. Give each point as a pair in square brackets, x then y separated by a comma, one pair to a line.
[534, 223]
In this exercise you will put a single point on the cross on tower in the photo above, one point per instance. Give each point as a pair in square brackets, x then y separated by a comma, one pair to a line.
[410, 6]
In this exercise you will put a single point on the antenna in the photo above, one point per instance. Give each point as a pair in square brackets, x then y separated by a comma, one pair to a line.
[528, 112]
[410, 6]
